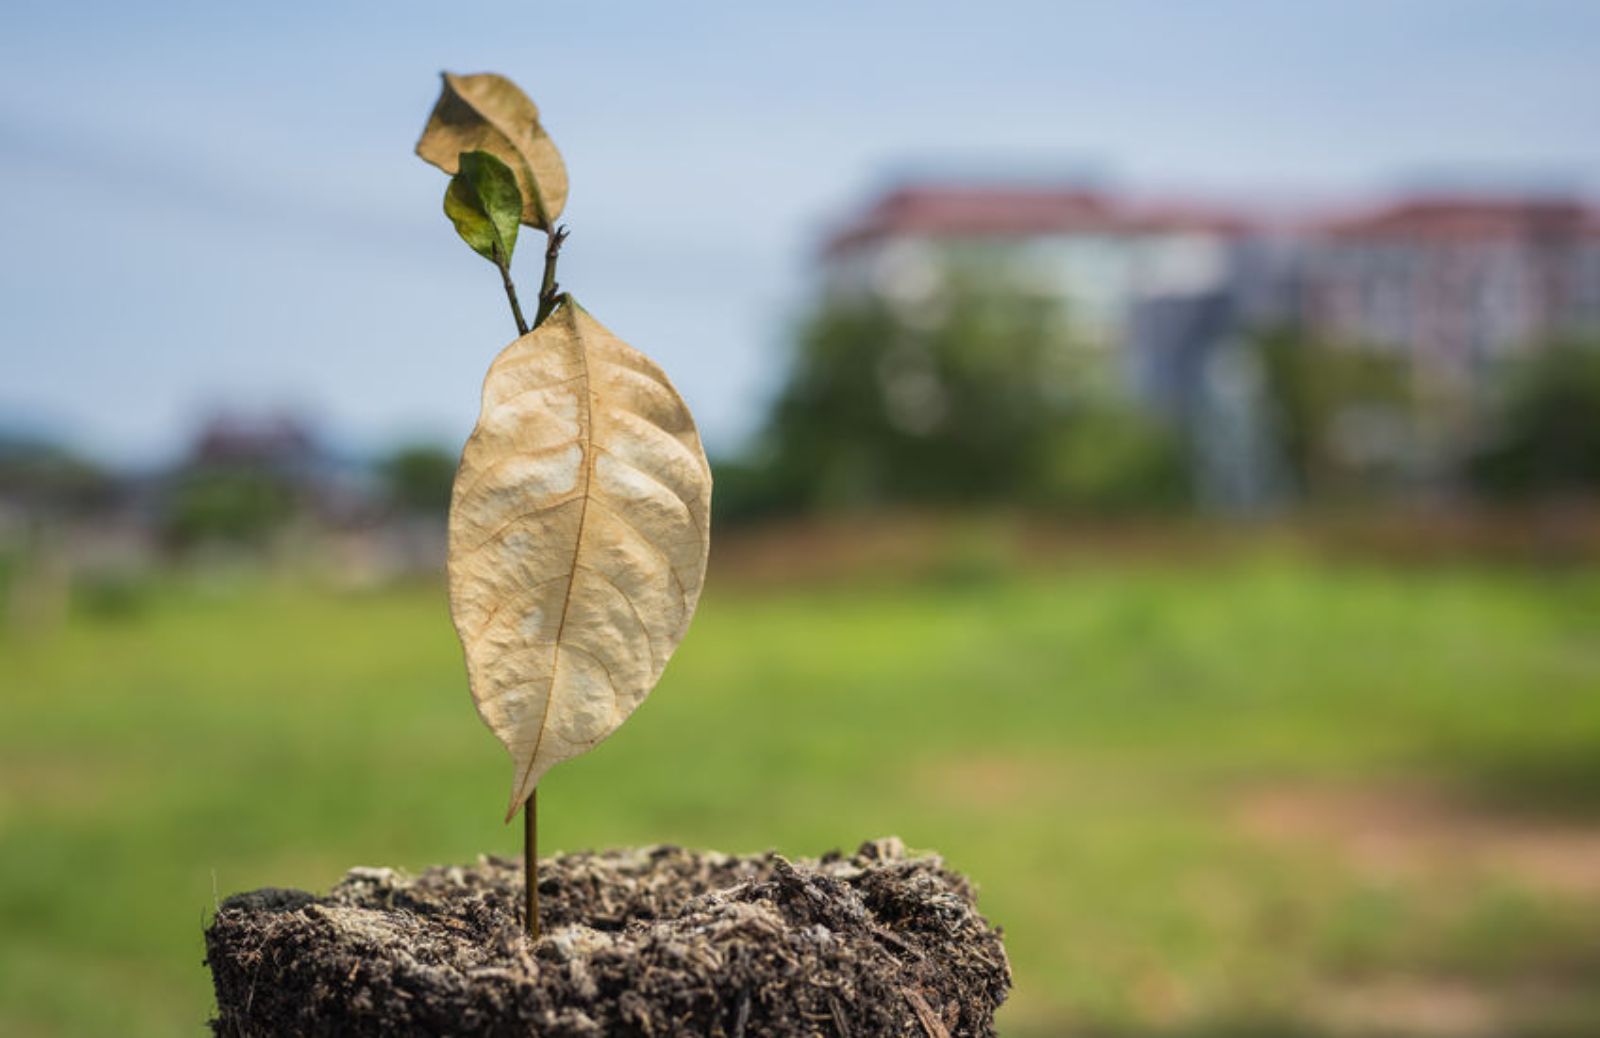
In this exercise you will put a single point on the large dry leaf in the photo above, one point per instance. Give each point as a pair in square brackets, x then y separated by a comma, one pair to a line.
[488, 112]
[578, 538]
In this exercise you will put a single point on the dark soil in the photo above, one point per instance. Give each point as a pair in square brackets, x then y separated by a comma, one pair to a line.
[654, 942]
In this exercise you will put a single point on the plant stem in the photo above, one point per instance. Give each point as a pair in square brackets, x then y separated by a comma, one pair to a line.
[548, 295]
[530, 863]
[511, 291]
[549, 291]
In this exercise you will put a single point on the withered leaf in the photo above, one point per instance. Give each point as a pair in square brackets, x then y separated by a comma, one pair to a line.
[488, 112]
[578, 539]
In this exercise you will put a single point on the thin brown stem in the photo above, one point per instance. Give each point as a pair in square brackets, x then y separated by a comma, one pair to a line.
[530, 864]
[549, 290]
[511, 291]
[549, 294]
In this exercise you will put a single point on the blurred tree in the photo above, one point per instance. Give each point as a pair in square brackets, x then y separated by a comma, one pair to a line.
[43, 486]
[981, 397]
[240, 506]
[750, 488]
[1547, 439]
[1107, 459]
[1342, 414]
[418, 478]
[37, 473]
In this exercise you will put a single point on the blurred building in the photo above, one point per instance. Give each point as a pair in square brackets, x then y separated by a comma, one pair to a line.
[1095, 254]
[1154, 294]
[1457, 283]
[1166, 293]
[1457, 287]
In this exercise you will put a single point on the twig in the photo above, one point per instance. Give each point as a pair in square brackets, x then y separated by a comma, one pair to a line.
[841, 1026]
[549, 291]
[742, 1020]
[511, 291]
[932, 1026]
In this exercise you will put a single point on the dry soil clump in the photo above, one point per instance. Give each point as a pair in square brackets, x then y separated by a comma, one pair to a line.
[653, 942]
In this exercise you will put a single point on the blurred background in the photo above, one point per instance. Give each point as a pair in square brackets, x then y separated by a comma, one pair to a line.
[1157, 450]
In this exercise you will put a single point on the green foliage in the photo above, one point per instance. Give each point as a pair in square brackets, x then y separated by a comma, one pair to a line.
[418, 478]
[485, 204]
[879, 411]
[987, 401]
[751, 488]
[234, 506]
[1547, 440]
[1107, 459]
[1342, 415]
[45, 473]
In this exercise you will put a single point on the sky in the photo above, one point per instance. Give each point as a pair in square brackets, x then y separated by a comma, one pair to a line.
[211, 206]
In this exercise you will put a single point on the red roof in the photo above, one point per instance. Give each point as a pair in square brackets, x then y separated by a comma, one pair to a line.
[1477, 219]
[979, 211]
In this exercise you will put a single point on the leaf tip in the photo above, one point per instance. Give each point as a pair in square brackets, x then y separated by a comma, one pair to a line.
[526, 783]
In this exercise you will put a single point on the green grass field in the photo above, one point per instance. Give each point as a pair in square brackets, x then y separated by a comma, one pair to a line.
[1263, 797]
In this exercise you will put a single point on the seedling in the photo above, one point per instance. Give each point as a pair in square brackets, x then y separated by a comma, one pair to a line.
[581, 508]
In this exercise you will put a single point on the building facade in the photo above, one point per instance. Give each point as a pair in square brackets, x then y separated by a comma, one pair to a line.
[1164, 295]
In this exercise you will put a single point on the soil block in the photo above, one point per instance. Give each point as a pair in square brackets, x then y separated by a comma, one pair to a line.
[655, 942]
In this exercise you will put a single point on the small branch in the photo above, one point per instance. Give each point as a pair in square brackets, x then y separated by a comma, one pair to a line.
[549, 291]
[511, 291]
[530, 864]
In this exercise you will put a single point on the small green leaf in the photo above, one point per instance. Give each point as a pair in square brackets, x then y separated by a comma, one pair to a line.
[485, 204]
[486, 112]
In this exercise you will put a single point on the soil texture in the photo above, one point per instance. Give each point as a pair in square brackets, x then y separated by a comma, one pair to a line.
[653, 942]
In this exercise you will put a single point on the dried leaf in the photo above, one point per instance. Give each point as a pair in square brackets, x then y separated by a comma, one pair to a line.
[578, 538]
[485, 205]
[488, 112]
